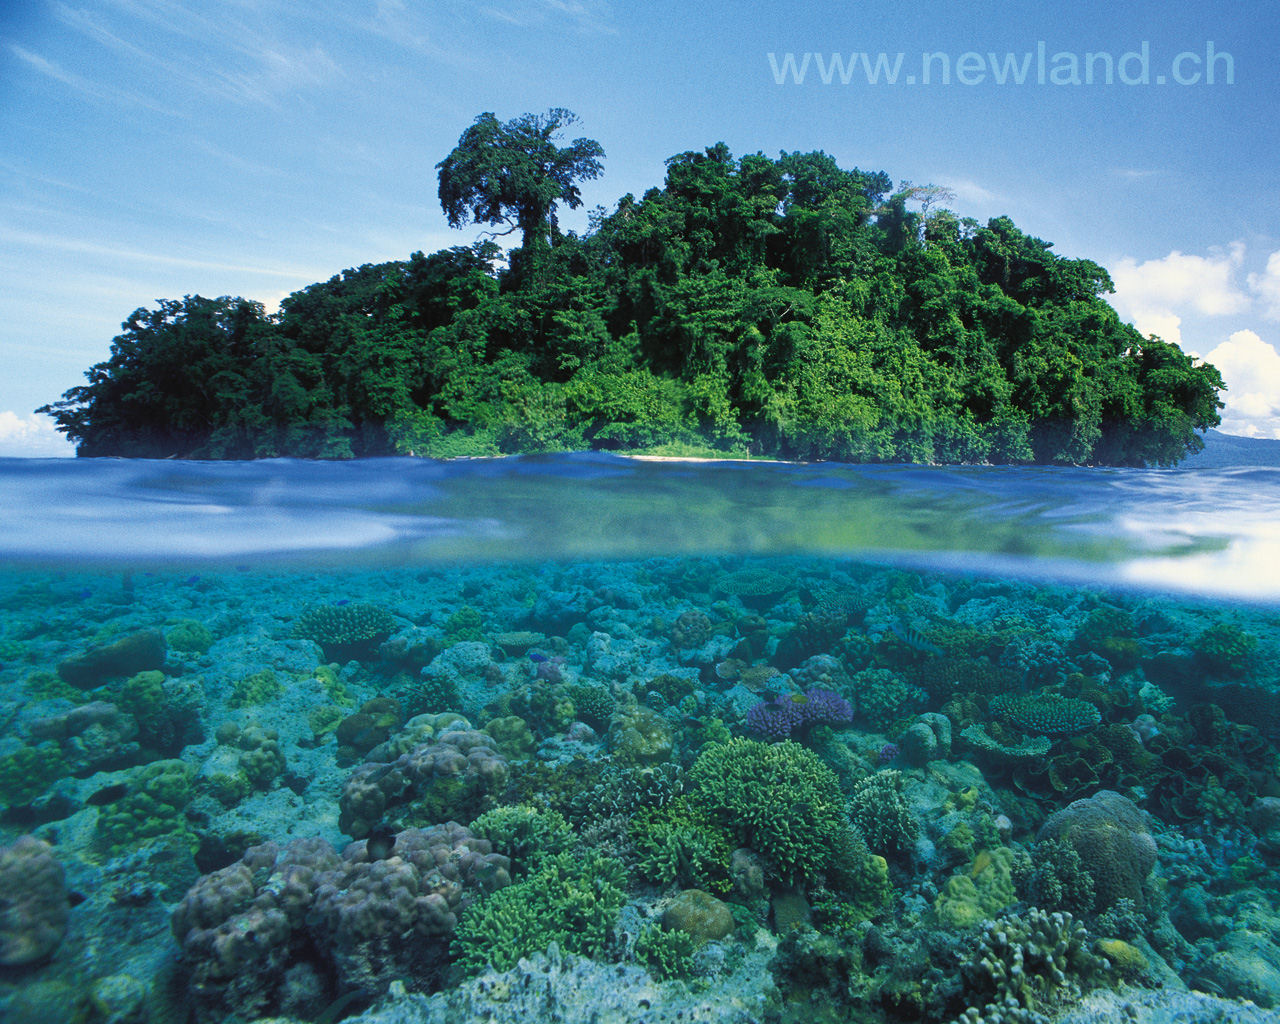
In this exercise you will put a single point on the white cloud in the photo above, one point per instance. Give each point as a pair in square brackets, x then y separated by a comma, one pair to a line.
[1251, 369]
[1155, 294]
[30, 437]
[1266, 286]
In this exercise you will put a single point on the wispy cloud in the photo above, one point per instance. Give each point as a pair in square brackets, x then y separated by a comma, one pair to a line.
[37, 240]
[86, 87]
[587, 16]
[211, 49]
[1135, 173]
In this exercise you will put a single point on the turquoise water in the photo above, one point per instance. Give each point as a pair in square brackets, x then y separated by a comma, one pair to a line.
[865, 713]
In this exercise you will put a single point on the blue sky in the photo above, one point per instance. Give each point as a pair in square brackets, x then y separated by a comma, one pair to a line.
[156, 148]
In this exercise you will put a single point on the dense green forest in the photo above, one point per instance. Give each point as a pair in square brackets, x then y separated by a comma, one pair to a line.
[784, 307]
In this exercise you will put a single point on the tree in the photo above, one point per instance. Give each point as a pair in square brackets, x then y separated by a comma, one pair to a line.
[513, 173]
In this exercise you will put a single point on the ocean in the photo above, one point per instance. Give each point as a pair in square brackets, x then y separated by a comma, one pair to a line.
[586, 737]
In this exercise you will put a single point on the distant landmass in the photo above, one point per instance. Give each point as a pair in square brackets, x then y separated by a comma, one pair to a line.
[1231, 450]
[780, 307]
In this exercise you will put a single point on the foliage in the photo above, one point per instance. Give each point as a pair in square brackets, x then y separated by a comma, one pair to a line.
[784, 307]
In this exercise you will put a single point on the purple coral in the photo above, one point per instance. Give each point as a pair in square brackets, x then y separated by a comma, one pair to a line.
[790, 716]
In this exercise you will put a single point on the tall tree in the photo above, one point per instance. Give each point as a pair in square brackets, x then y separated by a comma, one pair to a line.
[514, 173]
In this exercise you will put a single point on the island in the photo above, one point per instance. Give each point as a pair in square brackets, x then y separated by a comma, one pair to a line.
[752, 306]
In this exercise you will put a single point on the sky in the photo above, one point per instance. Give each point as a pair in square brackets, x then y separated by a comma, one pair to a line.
[151, 149]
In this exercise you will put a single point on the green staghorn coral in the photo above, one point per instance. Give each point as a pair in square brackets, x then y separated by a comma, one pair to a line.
[569, 900]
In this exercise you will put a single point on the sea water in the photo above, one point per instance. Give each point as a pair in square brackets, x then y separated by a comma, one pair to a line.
[242, 701]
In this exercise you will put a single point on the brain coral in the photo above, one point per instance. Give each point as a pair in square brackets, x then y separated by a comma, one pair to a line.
[356, 921]
[450, 776]
[1109, 833]
[33, 909]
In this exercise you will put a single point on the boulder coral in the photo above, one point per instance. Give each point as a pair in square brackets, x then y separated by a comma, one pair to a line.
[353, 918]
[452, 776]
[33, 902]
[1110, 835]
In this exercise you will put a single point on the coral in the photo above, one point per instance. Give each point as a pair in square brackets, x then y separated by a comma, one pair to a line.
[33, 902]
[513, 736]
[127, 656]
[793, 715]
[879, 812]
[1225, 648]
[345, 632]
[626, 789]
[517, 642]
[189, 636]
[980, 892]
[665, 954]
[1032, 962]
[691, 629]
[638, 735]
[28, 770]
[1028, 748]
[1057, 879]
[571, 901]
[357, 919]
[777, 798]
[255, 689]
[525, 834]
[464, 625]
[882, 697]
[93, 737]
[699, 915]
[261, 761]
[451, 776]
[1047, 714]
[167, 711]
[1111, 838]
[361, 731]
[1109, 631]
[152, 808]
[595, 704]
[755, 587]
[927, 738]
[679, 843]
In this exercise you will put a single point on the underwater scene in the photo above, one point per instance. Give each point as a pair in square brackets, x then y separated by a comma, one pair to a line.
[588, 738]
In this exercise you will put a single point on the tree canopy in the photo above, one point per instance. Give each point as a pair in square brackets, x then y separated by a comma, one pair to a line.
[785, 307]
[514, 173]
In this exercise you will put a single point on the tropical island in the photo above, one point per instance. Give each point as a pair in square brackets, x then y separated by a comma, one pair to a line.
[750, 306]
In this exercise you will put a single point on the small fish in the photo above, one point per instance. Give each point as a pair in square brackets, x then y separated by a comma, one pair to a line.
[381, 842]
[913, 639]
[343, 601]
[534, 656]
